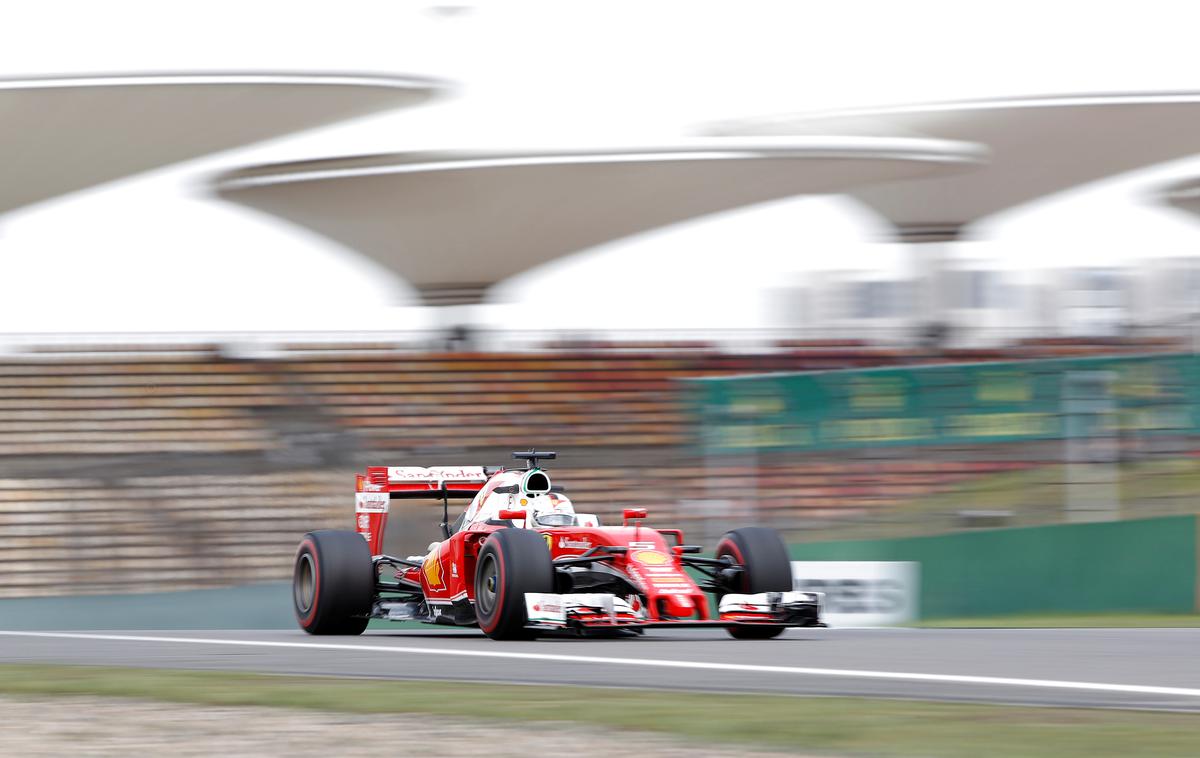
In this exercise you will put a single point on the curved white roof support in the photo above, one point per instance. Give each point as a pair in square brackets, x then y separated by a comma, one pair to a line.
[1184, 196]
[63, 134]
[453, 224]
[1039, 146]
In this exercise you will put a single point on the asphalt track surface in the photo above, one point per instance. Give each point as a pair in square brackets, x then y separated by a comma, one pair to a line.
[1123, 668]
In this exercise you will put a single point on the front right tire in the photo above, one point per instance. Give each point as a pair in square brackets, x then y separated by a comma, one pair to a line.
[333, 582]
[766, 567]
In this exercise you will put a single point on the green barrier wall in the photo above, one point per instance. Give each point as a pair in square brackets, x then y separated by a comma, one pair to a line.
[1148, 565]
[252, 606]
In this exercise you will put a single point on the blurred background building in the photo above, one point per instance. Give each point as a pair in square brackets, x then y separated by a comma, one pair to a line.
[958, 290]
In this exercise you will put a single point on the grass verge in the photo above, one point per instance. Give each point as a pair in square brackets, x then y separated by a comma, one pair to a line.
[1072, 621]
[839, 726]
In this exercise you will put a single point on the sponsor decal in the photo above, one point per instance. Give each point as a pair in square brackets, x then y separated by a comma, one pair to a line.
[672, 586]
[364, 521]
[371, 502]
[454, 569]
[369, 486]
[567, 542]
[549, 540]
[433, 567]
[651, 557]
[549, 606]
[641, 545]
[409, 473]
[366, 536]
[669, 582]
[545, 608]
[436, 474]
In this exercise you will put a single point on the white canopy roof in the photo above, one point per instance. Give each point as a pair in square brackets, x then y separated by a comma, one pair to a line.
[1038, 146]
[453, 224]
[58, 135]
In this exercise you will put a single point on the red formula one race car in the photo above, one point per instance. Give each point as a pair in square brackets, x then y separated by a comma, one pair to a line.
[520, 561]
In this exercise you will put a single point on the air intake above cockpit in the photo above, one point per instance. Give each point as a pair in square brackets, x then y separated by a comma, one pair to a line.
[535, 482]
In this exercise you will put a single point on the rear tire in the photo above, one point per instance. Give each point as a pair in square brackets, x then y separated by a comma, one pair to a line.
[511, 563]
[333, 582]
[766, 567]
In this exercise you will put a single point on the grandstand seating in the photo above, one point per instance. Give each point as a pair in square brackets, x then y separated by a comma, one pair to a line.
[158, 531]
[205, 404]
[70, 535]
[50, 408]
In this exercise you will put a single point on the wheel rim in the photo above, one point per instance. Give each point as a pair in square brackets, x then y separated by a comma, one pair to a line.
[305, 587]
[741, 582]
[485, 592]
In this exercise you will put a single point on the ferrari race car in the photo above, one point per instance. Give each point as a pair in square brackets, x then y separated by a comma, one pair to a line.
[520, 561]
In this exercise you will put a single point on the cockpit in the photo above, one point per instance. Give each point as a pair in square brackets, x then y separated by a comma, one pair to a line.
[531, 491]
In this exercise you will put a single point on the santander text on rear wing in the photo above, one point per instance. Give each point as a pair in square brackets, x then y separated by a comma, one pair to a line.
[375, 489]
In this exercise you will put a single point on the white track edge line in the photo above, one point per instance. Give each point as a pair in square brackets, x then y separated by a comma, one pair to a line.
[697, 665]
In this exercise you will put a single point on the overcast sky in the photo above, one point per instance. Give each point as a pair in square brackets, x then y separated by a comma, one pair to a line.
[167, 256]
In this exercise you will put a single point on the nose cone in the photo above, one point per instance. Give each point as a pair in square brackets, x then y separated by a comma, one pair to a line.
[679, 605]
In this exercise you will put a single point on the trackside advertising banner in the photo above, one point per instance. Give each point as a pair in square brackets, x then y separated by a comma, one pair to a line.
[862, 593]
[950, 404]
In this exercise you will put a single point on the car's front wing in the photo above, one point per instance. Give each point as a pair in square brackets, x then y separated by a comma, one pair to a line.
[606, 611]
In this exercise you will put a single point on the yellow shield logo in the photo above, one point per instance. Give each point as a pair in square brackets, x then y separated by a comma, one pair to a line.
[651, 558]
[433, 568]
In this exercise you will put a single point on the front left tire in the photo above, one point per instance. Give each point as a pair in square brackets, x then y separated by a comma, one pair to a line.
[333, 582]
[511, 563]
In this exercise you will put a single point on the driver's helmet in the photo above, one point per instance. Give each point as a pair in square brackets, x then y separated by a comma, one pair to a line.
[552, 510]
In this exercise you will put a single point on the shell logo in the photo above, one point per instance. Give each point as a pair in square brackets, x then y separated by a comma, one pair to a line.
[433, 568]
[651, 557]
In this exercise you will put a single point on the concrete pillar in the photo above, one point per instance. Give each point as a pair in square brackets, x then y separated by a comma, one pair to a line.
[930, 247]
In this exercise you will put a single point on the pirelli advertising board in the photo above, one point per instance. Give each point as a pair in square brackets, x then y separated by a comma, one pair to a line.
[950, 404]
[862, 593]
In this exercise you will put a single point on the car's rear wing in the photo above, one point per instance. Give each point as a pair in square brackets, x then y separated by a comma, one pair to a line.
[419, 481]
[381, 484]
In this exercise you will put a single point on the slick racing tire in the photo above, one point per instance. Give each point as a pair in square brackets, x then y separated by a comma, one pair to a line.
[511, 563]
[766, 567]
[333, 582]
